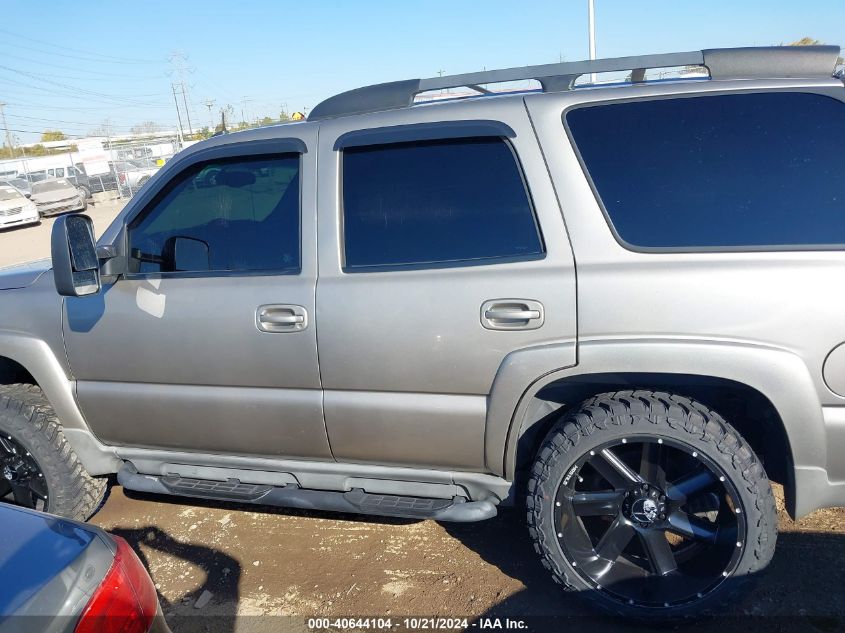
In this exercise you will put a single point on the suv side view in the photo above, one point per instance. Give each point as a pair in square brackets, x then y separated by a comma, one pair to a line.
[609, 304]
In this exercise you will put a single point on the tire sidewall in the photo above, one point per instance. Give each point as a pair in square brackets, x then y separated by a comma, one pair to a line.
[570, 442]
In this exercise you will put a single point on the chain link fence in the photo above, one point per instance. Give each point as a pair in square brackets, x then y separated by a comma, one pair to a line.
[119, 167]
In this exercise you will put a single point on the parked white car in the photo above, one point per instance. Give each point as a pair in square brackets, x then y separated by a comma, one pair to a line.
[56, 196]
[15, 209]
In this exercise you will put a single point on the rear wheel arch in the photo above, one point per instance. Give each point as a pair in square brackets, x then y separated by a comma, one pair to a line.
[775, 382]
[748, 410]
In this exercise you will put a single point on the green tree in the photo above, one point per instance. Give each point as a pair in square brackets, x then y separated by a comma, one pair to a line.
[53, 135]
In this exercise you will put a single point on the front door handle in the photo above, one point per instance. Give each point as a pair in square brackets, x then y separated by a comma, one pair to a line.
[278, 318]
[512, 314]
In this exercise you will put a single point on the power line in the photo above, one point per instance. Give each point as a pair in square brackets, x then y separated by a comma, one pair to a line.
[106, 58]
[69, 86]
[77, 68]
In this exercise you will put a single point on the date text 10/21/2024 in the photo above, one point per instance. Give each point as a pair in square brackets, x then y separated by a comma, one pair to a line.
[418, 623]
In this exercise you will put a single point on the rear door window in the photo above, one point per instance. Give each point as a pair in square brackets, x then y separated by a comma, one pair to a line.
[435, 203]
[718, 172]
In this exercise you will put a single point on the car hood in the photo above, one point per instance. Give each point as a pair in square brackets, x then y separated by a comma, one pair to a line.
[13, 203]
[55, 196]
[23, 275]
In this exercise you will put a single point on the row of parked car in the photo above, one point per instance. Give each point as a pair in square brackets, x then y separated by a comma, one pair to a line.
[23, 203]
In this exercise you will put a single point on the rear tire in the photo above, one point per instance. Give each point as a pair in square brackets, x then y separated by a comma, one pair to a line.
[571, 495]
[29, 425]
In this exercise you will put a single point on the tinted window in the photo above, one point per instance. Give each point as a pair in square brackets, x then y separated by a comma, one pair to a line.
[232, 215]
[719, 171]
[435, 201]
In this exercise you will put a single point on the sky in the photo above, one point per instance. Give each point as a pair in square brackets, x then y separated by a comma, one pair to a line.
[72, 65]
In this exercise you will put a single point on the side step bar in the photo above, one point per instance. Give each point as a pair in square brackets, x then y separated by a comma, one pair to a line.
[355, 501]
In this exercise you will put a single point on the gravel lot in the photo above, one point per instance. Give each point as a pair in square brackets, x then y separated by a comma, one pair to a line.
[236, 560]
[28, 243]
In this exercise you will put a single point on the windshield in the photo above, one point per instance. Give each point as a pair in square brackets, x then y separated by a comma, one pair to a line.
[50, 185]
[9, 193]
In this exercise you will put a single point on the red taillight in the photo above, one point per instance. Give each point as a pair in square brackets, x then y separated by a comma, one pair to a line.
[122, 178]
[125, 602]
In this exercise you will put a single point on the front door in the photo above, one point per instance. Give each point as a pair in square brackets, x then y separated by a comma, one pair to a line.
[442, 250]
[208, 343]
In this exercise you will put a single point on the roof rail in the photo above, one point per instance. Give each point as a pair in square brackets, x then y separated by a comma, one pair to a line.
[723, 63]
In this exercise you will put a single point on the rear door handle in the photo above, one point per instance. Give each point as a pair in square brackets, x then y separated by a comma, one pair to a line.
[512, 314]
[277, 318]
[501, 314]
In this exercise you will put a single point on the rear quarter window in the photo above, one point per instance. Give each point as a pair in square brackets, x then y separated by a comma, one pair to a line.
[718, 172]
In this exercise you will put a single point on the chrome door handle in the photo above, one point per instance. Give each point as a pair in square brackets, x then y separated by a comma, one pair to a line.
[277, 318]
[512, 314]
[281, 320]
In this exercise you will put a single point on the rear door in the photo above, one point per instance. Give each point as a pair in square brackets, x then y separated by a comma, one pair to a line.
[442, 250]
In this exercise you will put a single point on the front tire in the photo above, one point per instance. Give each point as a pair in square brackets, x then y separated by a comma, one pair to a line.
[38, 468]
[650, 505]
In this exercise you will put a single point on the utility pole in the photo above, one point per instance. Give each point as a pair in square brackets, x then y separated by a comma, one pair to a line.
[8, 136]
[187, 112]
[591, 19]
[178, 114]
[180, 67]
[244, 99]
[209, 103]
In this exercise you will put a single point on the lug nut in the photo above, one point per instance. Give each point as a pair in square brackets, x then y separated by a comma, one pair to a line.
[662, 516]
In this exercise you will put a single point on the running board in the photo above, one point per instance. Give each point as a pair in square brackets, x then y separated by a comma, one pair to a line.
[355, 501]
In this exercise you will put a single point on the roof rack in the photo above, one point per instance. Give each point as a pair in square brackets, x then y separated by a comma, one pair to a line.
[723, 63]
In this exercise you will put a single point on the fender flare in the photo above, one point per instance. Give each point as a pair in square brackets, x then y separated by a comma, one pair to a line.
[38, 359]
[778, 374]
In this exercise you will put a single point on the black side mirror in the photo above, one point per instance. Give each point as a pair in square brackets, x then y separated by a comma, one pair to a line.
[75, 267]
[185, 254]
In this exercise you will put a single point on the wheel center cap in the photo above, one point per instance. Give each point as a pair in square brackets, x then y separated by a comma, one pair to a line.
[644, 506]
[644, 510]
[8, 473]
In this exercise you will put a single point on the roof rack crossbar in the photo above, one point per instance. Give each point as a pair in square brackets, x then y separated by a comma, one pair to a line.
[725, 63]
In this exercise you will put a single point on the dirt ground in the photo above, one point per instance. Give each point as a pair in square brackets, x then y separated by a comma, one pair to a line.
[258, 561]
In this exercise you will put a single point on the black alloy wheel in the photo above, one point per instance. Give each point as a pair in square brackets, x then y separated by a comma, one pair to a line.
[22, 481]
[650, 521]
[650, 505]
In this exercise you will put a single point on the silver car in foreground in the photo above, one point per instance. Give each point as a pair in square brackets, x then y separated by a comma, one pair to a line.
[60, 576]
[614, 305]
[57, 195]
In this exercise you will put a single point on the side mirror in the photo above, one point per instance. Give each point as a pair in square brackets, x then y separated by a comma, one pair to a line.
[75, 267]
[185, 254]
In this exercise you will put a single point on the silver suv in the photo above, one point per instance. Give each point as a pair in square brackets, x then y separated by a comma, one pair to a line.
[613, 304]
